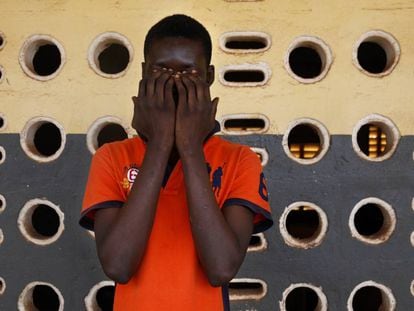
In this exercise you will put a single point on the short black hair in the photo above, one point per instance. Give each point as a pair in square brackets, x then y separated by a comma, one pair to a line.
[179, 25]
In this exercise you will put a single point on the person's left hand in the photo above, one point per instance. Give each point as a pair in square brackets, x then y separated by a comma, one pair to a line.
[195, 114]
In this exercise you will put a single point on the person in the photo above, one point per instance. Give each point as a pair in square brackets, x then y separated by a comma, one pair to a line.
[173, 209]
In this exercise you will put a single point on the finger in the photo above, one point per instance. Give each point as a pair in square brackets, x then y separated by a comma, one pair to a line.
[141, 88]
[152, 79]
[200, 86]
[191, 90]
[160, 86]
[182, 92]
[168, 91]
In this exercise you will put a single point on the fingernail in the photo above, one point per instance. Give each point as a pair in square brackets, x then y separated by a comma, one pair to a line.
[184, 72]
[154, 70]
[176, 75]
[193, 71]
[170, 70]
[164, 68]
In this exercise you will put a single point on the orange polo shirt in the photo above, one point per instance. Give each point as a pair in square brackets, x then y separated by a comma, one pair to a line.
[170, 276]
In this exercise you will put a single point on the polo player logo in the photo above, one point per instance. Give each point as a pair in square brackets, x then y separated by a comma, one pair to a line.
[218, 173]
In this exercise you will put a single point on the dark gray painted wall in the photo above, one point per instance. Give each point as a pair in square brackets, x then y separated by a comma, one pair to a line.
[336, 184]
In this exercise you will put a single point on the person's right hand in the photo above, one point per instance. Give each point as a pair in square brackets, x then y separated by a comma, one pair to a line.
[154, 108]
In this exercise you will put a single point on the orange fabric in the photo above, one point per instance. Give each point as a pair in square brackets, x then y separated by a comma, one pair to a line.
[170, 276]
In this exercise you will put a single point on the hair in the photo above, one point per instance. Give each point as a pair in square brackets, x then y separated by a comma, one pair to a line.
[179, 25]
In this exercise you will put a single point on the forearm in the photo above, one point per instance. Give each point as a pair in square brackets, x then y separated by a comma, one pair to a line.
[122, 246]
[217, 245]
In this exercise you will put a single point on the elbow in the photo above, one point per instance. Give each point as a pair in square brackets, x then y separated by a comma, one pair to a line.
[222, 277]
[120, 276]
[117, 275]
[117, 269]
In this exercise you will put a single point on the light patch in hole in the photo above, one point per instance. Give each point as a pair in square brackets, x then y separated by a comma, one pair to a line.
[315, 156]
[244, 42]
[322, 302]
[388, 300]
[1, 236]
[389, 45]
[392, 136]
[26, 227]
[309, 242]
[247, 289]
[387, 228]
[260, 67]
[244, 124]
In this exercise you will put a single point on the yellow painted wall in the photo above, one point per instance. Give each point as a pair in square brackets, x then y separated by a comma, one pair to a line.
[78, 96]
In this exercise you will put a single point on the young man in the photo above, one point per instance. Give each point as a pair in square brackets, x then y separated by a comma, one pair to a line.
[173, 209]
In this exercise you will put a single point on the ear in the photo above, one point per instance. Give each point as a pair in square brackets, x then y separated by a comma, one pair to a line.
[210, 75]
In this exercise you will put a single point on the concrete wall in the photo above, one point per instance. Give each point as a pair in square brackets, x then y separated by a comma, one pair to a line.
[333, 183]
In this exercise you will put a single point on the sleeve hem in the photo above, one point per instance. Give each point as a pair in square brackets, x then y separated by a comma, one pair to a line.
[88, 223]
[262, 225]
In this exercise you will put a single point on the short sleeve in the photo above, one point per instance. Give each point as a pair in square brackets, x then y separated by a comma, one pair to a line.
[102, 188]
[249, 189]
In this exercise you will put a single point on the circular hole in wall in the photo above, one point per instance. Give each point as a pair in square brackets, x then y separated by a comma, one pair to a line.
[3, 122]
[100, 297]
[1, 74]
[308, 59]
[40, 296]
[306, 141]
[43, 139]
[2, 286]
[412, 288]
[2, 155]
[2, 203]
[303, 225]
[41, 222]
[303, 297]
[2, 40]
[372, 221]
[110, 54]
[105, 130]
[42, 57]
[375, 138]
[412, 238]
[376, 53]
[370, 295]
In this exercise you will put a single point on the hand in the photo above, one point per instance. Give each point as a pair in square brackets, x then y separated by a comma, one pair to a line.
[154, 108]
[195, 112]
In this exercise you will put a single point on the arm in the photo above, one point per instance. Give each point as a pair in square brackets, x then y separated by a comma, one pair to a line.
[120, 241]
[221, 237]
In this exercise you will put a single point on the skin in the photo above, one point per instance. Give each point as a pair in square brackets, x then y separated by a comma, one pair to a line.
[173, 131]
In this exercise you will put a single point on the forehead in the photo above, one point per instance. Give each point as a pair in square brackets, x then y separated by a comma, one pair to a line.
[176, 50]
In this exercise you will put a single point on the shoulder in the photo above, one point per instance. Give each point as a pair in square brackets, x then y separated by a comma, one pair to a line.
[233, 150]
[121, 148]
